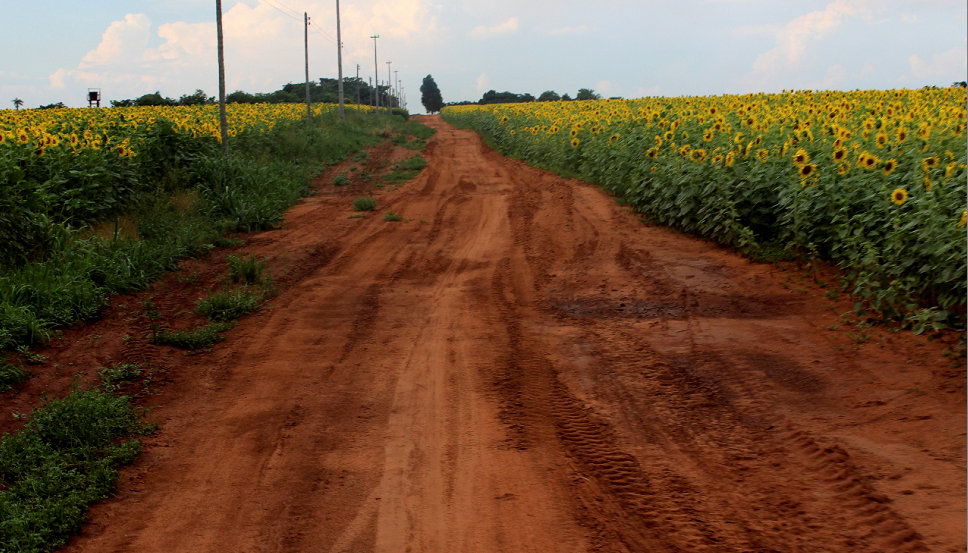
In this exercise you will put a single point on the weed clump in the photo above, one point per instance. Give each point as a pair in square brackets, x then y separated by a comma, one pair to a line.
[228, 305]
[11, 375]
[248, 270]
[364, 203]
[391, 216]
[192, 338]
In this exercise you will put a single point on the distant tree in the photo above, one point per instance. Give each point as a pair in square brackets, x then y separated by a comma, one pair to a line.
[430, 95]
[587, 94]
[52, 106]
[240, 97]
[196, 98]
[495, 97]
[565, 97]
[17, 102]
[154, 99]
[127, 103]
[549, 96]
[962, 84]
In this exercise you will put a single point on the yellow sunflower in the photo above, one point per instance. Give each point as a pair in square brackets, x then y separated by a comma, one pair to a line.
[899, 196]
[889, 166]
[575, 142]
[801, 158]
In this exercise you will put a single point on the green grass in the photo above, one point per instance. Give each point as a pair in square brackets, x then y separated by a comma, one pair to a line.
[405, 170]
[364, 203]
[341, 180]
[11, 375]
[193, 338]
[391, 216]
[247, 270]
[228, 305]
[119, 373]
[65, 458]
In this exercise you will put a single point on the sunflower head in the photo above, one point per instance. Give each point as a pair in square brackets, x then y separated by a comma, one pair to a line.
[708, 136]
[698, 154]
[881, 139]
[575, 142]
[612, 139]
[658, 141]
[889, 166]
[839, 154]
[964, 218]
[929, 163]
[808, 170]
[899, 196]
[652, 152]
[762, 154]
[801, 157]
[843, 169]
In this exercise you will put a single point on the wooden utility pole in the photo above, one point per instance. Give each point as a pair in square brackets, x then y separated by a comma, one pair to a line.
[223, 119]
[339, 61]
[357, 84]
[388, 85]
[309, 107]
[376, 75]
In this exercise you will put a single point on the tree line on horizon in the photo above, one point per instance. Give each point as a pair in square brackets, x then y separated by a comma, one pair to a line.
[323, 90]
[506, 97]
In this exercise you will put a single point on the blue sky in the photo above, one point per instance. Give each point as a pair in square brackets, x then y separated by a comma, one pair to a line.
[55, 50]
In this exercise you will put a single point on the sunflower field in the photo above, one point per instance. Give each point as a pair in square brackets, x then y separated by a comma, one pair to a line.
[159, 177]
[871, 180]
[76, 166]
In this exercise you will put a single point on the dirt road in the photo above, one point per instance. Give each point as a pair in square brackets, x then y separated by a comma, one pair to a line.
[523, 366]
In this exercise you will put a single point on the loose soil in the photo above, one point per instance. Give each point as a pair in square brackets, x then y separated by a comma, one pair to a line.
[522, 365]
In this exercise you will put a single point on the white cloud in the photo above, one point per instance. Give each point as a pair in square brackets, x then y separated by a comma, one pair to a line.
[909, 18]
[792, 38]
[576, 30]
[481, 84]
[119, 40]
[263, 47]
[509, 26]
[950, 65]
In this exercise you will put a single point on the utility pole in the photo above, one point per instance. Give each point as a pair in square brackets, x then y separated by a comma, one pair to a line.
[339, 61]
[223, 120]
[396, 87]
[357, 84]
[388, 85]
[309, 109]
[376, 75]
[370, 80]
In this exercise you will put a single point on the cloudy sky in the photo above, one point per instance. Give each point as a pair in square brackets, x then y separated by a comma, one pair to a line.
[56, 49]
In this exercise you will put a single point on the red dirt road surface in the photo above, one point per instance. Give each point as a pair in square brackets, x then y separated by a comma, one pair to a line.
[521, 365]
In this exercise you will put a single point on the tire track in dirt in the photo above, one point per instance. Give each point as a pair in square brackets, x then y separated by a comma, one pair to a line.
[522, 366]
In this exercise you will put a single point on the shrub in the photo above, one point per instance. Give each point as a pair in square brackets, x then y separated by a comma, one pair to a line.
[364, 203]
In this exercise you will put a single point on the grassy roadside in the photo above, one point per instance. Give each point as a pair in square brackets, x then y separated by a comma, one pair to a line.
[65, 458]
[248, 190]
